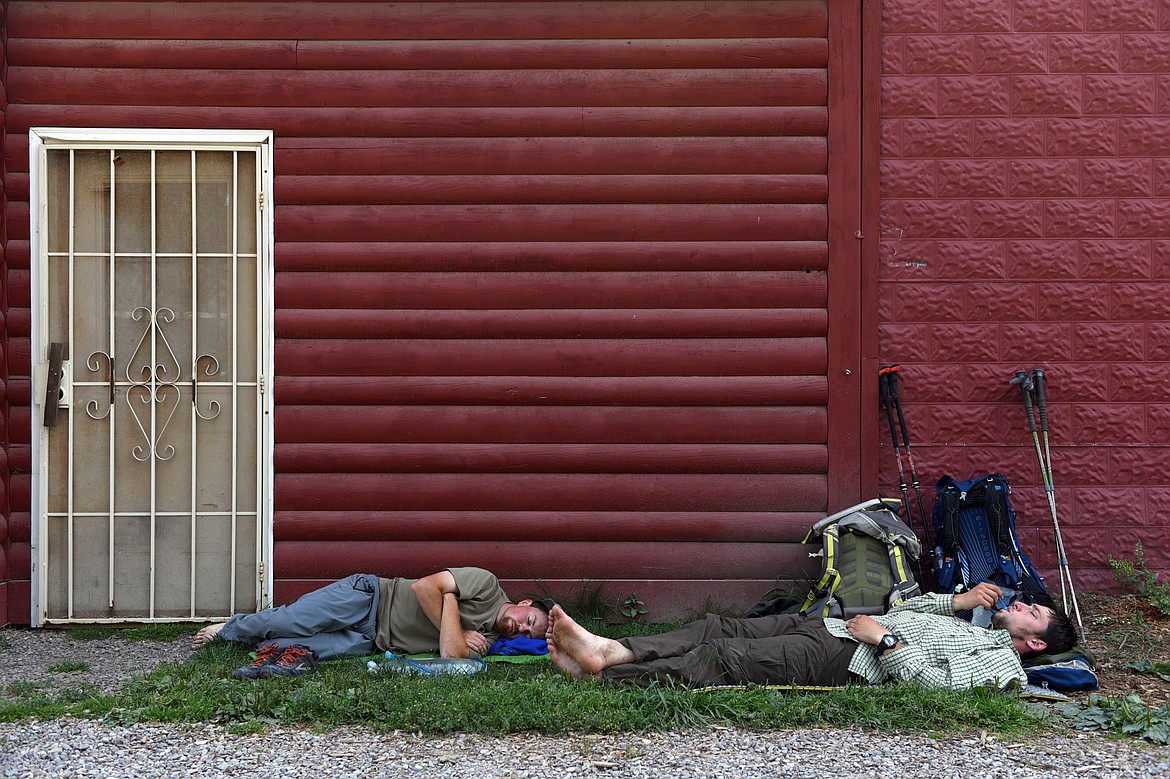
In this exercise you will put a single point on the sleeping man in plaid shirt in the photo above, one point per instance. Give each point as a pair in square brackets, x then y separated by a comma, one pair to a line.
[919, 640]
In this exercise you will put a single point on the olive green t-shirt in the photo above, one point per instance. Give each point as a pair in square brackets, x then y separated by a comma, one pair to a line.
[404, 628]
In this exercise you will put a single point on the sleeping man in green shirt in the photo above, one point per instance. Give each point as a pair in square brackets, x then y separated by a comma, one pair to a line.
[457, 612]
[919, 640]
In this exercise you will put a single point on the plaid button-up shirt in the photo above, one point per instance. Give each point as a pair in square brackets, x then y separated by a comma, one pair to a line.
[937, 648]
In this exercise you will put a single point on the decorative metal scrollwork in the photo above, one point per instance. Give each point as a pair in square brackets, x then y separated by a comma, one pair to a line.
[154, 393]
[157, 372]
[210, 367]
[152, 383]
[94, 362]
[160, 395]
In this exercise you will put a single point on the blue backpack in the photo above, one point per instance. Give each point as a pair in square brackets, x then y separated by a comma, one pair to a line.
[1071, 670]
[975, 534]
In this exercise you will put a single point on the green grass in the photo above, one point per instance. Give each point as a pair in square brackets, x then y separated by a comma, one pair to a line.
[157, 632]
[508, 698]
[23, 700]
[69, 667]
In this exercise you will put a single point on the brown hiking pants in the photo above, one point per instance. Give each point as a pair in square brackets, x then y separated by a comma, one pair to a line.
[777, 649]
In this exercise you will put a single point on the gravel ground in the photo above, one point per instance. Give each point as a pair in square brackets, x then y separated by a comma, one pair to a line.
[28, 655]
[86, 748]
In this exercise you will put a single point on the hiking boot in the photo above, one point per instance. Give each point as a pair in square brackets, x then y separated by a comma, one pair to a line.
[266, 654]
[297, 660]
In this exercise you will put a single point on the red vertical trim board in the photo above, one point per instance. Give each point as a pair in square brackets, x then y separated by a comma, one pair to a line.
[5, 416]
[846, 323]
[871, 81]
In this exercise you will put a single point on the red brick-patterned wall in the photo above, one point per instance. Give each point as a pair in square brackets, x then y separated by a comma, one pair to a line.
[1025, 223]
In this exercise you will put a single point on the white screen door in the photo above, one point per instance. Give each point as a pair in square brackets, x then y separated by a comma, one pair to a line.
[151, 392]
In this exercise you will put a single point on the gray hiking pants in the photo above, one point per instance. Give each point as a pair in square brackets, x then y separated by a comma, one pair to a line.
[778, 649]
[338, 619]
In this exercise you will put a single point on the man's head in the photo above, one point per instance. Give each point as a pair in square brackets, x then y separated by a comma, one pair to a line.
[527, 618]
[1036, 629]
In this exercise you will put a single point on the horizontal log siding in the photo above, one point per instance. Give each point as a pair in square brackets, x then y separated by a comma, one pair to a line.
[551, 278]
[341, 21]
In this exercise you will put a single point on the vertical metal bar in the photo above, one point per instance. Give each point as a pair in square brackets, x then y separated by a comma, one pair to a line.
[153, 373]
[39, 197]
[194, 376]
[69, 347]
[259, 440]
[235, 366]
[111, 475]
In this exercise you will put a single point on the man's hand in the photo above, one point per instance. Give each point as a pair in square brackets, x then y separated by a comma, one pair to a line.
[476, 642]
[983, 594]
[866, 629]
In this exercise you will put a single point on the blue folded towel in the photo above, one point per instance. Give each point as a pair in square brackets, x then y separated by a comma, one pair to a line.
[520, 645]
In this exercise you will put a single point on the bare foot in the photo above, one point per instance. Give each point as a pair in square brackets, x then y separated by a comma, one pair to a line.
[567, 664]
[576, 646]
[206, 635]
[552, 621]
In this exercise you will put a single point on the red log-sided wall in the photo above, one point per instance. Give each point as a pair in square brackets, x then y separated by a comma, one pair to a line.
[551, 278]
[1025, 223]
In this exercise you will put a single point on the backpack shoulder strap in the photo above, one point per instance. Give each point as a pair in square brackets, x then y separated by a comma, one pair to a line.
[820, 600]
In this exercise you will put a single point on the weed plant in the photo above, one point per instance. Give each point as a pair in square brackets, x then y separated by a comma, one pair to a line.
[1137, 576]
[1127, 716]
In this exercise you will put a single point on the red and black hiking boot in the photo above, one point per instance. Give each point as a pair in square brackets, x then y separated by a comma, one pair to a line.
[266, 654]
[297, 660]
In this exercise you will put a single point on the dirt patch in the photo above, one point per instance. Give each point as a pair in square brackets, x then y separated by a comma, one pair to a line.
[1121, 630]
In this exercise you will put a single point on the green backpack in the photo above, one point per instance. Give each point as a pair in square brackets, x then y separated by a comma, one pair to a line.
[867, 552]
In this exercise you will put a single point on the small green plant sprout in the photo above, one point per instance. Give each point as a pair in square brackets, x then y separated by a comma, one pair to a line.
[1139, 578]
[68, 667]
[633, 607]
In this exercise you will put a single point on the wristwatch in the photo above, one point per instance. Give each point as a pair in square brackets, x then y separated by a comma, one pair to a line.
[888, 642]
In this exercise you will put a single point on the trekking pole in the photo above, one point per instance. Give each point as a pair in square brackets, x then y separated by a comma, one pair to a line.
[1027, 388]
[884, 397]
[887, 404]
[896, 398]
[1050, 489]
[1027, 384]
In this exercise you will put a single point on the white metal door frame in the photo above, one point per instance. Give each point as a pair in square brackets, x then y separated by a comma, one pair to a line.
[40, 141]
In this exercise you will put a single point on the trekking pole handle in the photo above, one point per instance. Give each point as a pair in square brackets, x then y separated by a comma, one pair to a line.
[1041, 400]
[888, 406]
[1025, 383]
[897, 400]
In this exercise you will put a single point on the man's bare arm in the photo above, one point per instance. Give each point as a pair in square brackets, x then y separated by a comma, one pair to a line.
[438, 596]
[452, 642]
[430, 591]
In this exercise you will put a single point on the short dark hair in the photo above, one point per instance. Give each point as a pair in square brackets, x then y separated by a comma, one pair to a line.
[1060, 635]
[544, 604]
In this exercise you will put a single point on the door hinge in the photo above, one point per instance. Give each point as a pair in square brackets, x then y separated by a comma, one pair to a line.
[260, 201]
